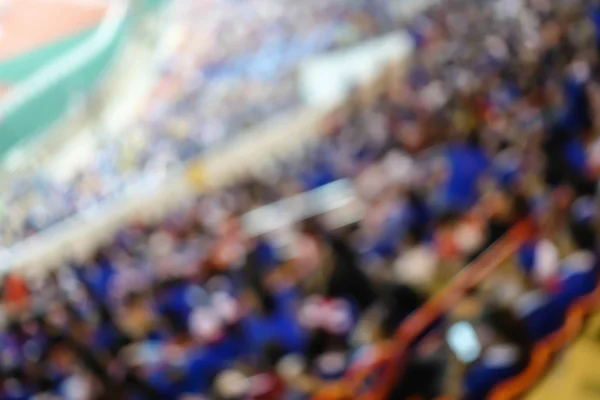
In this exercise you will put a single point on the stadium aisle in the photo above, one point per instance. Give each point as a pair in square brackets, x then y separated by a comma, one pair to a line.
[577, 374]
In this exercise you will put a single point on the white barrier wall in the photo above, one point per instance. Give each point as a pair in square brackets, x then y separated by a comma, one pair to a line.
[321, 201]
[326, 80]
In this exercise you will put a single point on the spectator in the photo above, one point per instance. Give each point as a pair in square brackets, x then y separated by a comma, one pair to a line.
[507, 348]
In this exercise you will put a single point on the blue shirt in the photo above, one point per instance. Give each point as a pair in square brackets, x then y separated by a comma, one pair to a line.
[480, 380]
[594, 14]
[175, 299]
[467, 165]
[98, 278]
[497, 364]
[542, 314]
[205, 362]
[281, 326]
[575, 155]
[506, 166]
[526, 256]
[576, 113]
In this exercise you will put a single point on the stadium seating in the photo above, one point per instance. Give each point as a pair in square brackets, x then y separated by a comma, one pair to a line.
[205, 303]
[213, 92]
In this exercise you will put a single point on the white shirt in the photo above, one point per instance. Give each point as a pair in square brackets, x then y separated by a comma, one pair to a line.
[76, 388]
[371, 182]
[546, 260]
[399, 167]
[416, 266]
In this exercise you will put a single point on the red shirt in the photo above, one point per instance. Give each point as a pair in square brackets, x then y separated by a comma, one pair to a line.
[15, 290]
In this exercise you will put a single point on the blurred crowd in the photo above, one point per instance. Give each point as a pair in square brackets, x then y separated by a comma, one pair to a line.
[234, 68]
[493, 124]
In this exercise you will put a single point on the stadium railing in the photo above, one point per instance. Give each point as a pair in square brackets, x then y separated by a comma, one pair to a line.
[543, 353]
[375, 379]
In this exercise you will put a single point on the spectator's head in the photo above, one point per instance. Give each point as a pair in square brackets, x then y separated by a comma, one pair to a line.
[272, 353]
[583, 235]
[416, 234]
[399, 301]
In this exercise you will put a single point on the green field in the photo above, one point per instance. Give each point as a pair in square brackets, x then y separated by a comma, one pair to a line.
[17, 69]
[25, 120]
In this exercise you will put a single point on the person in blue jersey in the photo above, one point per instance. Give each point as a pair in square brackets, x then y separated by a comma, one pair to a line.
[175, 295]
[506, 351]
[466, 163]
[575, 154]
[320, 173]
[568, 165]
[262, 258]
[272, 302]
[541, 312]
[97, 274]
[385, 241]
[419, 211]
[507, 164]
[205, 361]
[408, 211]
[170, 381]
[106, 335]
[265, 253]
[578, 111]
[594, 16]
[564, 140]
[172, 375]
[274, 319]
[504, 93]
[21, 360]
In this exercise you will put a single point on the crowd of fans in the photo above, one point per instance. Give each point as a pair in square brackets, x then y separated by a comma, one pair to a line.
[234, 68]
[493, 124]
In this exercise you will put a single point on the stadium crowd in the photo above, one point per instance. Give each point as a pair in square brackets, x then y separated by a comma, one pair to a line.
[209, 90]
[492, 125]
